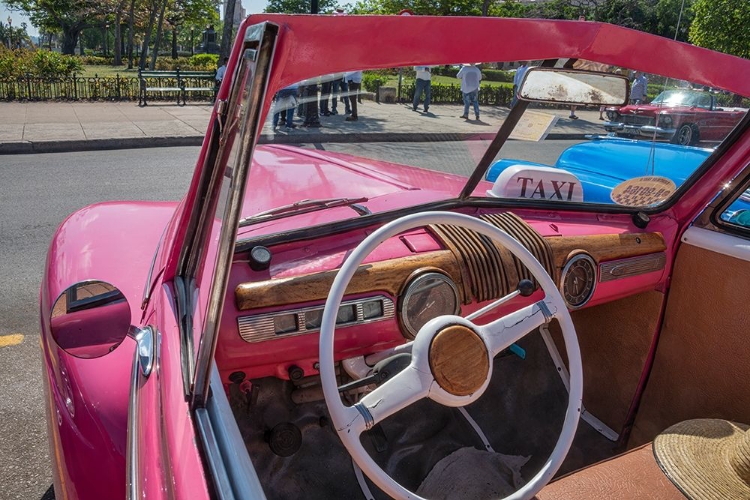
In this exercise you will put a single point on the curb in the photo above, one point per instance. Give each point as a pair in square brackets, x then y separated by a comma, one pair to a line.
[39, 147]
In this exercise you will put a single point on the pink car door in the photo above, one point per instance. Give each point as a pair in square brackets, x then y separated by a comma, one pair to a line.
[703, 355]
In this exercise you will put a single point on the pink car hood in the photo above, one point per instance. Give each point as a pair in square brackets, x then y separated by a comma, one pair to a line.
[309, 174]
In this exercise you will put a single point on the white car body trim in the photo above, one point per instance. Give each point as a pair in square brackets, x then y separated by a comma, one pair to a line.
[725, 244]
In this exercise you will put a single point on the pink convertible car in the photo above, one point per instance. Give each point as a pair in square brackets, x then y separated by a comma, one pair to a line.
[360, 315]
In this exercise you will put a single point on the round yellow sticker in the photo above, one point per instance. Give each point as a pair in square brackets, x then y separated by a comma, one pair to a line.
[643, 191]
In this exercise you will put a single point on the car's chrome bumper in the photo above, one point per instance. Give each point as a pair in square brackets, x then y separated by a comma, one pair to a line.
[644, 130]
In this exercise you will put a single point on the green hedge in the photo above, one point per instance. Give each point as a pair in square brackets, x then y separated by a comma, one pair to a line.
[490, 75]
[37, 63]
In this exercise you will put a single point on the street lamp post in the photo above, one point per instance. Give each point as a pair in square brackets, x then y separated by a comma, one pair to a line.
[192, 45]
[106, 35]
[10, 33]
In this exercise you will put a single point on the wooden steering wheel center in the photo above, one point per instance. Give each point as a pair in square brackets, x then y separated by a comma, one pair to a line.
[459, 360]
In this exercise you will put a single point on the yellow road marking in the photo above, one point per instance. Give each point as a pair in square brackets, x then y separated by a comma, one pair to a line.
[12, 339]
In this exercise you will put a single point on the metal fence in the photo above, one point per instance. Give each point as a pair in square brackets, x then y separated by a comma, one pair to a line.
[75, 88]
[117, 88]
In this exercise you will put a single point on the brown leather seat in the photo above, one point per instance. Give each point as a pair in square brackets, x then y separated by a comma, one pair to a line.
[634, 475]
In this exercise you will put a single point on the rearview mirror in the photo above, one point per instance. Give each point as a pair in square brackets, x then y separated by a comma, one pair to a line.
[90, 319]
[569, 86]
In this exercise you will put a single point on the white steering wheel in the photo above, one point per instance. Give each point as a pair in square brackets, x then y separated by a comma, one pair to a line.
[451, 356]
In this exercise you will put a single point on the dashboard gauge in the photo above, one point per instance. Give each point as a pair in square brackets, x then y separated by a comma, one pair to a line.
[578, 280]
[427, 296]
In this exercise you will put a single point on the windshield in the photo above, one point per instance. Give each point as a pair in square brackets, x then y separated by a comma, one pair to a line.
[346, 145]
[675, 98]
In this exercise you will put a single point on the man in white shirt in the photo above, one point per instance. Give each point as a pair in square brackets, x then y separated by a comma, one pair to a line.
[470, 77]
[422, 84]
[354, 79]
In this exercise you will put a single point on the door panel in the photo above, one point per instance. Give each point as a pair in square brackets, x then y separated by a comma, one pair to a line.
[702, 361]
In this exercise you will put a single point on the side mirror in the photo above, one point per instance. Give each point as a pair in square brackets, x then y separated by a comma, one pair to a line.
[569, 86]
[90, 319]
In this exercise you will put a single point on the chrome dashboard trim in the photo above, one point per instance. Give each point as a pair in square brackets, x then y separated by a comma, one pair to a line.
[632, 266]
[261, 327]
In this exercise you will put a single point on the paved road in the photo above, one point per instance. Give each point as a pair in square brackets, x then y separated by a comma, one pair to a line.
[38, 192]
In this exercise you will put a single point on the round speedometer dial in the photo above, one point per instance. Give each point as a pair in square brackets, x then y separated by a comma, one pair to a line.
[578, 280]
[427, 296]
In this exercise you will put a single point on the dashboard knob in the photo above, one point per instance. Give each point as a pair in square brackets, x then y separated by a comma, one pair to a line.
[260, 258]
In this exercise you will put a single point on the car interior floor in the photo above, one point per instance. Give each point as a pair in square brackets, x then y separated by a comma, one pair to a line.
[520, 415]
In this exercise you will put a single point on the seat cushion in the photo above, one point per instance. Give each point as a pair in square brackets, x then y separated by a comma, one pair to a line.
[634, 474]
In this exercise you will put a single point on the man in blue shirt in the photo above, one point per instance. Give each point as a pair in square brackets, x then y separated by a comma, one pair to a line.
[639, 88]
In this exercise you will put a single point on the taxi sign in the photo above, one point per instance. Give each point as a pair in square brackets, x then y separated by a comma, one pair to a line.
[537, 183]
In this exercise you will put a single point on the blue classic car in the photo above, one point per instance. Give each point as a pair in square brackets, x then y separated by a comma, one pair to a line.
[606, 170]
[602, 164]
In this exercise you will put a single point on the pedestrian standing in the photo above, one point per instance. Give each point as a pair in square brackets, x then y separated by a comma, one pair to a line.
[325, 94]
[354, 81]
[339, 90]
[639, 88]
[286, 100]
[422, 84]
[221, 72]
[470, 77]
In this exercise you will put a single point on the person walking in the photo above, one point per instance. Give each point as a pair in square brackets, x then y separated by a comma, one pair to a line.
[354, 81]
[422, 84]
[470, 77]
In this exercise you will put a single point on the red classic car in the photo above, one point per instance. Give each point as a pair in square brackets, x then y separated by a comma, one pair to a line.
[680, 116]
[333, 315]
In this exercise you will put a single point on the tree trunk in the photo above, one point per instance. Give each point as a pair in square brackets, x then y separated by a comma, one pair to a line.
[159, 29]
[147, 37]
[131, 15]
[70, 39]
[174, 42]
[118, 35]
[486, 7]
[226, 35]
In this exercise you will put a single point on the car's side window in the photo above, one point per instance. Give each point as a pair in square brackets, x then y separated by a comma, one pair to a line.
[738, 212]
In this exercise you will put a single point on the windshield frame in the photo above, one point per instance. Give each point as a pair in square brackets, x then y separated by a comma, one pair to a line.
[575, 40]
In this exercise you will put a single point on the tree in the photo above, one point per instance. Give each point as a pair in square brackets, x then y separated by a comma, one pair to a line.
[668, 14]
[69, 16]
[227, 32]
[419, 7]
[722, 25]
[299, 6]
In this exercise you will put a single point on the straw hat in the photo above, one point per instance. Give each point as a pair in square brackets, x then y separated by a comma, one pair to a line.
[706, 458]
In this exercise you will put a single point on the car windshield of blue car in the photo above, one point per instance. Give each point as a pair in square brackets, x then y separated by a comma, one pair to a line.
[390, 139]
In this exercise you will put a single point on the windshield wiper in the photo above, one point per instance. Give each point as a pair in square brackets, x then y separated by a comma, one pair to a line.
[305, 206]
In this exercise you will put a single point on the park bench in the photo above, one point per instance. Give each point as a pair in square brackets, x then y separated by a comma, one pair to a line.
[177, 81]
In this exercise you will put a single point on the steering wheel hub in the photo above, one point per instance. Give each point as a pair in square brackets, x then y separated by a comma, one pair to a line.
[459, 360]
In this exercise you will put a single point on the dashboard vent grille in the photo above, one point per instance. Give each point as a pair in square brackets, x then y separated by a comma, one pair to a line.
[489, 271]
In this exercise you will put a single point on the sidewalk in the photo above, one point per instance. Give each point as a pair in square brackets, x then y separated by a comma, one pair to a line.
[48, 127]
